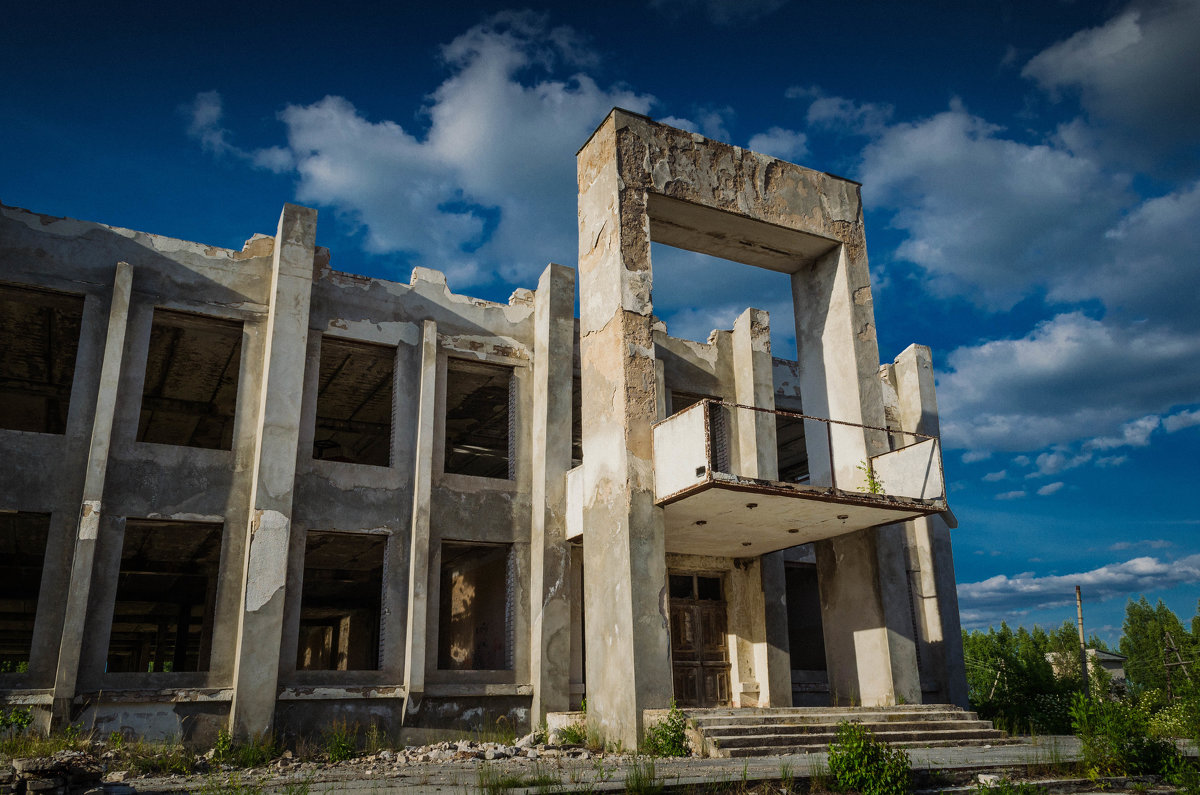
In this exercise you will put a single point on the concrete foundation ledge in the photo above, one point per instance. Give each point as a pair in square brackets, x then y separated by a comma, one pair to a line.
[179, 695]
[27, 698]
[560, 720]
[334, 692]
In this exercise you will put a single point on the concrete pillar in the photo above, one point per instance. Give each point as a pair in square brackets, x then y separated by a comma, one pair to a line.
[272, 474]
[762, 658]
[839, 358]
[754, 385]
[935, 595]
[625, 593]
[418, 549]
[79, 591]
[869, 662]
[550, 556]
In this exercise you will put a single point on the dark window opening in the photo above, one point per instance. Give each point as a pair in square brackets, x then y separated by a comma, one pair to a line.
[694, 587]
[475, 613]
[166, 594]
[478, 419]
[191, 381]
[354, 403]
[790, 446]
[39, 338]
[806, 638]
[341, 602]
[22, 555]
[684, 400]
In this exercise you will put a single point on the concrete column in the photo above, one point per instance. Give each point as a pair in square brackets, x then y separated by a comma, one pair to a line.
[839, 357]
[766, 653]
[272, 475]
[418, 550]
[754, 385]
[935, 594]
[549, 554]
[79, 591]
[869, 663]
[625, 593]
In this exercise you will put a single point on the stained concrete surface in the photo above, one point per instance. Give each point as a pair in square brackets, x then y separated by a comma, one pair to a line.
[608, 773]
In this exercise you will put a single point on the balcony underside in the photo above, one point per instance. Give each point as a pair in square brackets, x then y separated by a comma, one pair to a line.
[713, 516]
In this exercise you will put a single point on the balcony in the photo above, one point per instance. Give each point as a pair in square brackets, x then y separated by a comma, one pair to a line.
[741, 481]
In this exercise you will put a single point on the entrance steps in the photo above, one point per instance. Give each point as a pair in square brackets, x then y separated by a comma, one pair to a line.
[724, 732]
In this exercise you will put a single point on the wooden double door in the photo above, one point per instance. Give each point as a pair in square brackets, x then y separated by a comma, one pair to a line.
[699, 645]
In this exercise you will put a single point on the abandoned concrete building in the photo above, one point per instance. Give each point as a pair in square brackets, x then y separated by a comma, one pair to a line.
[242, 489]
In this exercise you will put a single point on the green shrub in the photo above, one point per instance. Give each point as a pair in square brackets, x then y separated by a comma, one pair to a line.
[668, 737]
[859, 762]
[1115, 739]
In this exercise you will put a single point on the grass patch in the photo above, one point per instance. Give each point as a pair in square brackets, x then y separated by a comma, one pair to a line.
[255, 752]
[494, 779]
[642, 777]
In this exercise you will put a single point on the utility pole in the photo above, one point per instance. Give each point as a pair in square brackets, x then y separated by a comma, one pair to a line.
[1083, 660]
[1169, 647]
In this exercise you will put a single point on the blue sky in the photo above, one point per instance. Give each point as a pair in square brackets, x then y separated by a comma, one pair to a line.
[1030, 175]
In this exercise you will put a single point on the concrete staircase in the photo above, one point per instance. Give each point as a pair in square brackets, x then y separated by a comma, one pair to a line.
[797, 730]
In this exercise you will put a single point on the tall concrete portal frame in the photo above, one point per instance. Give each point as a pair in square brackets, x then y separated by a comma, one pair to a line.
[240, 489]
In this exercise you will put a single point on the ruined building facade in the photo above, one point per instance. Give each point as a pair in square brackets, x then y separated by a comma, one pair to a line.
[240, 488]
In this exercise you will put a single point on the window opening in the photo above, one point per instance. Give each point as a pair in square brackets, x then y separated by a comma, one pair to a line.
[341, 602]
[39, 338]
[190, 391]
[22, 556]
[790, 446]
[695, 293]
[166, 594]
[475, 607]
[354, 402]
[478, 419]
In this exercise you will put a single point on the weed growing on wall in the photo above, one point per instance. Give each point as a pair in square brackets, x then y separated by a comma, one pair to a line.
[859, 762]
[341, 741]
[668, 737]
[873, 483]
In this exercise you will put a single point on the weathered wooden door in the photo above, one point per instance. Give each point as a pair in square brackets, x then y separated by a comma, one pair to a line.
[699, 651]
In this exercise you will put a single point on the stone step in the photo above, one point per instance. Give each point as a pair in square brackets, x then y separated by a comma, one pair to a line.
[776, 750]
[828, 718]
[782, 727]
[755, 732]
[825, 710]
[824, 739]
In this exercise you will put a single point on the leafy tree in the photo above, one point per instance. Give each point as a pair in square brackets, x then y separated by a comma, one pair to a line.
[1143, 640]
[1011, 682]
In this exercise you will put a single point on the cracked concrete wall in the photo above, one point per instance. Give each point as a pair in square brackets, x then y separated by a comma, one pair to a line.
[269, 484]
